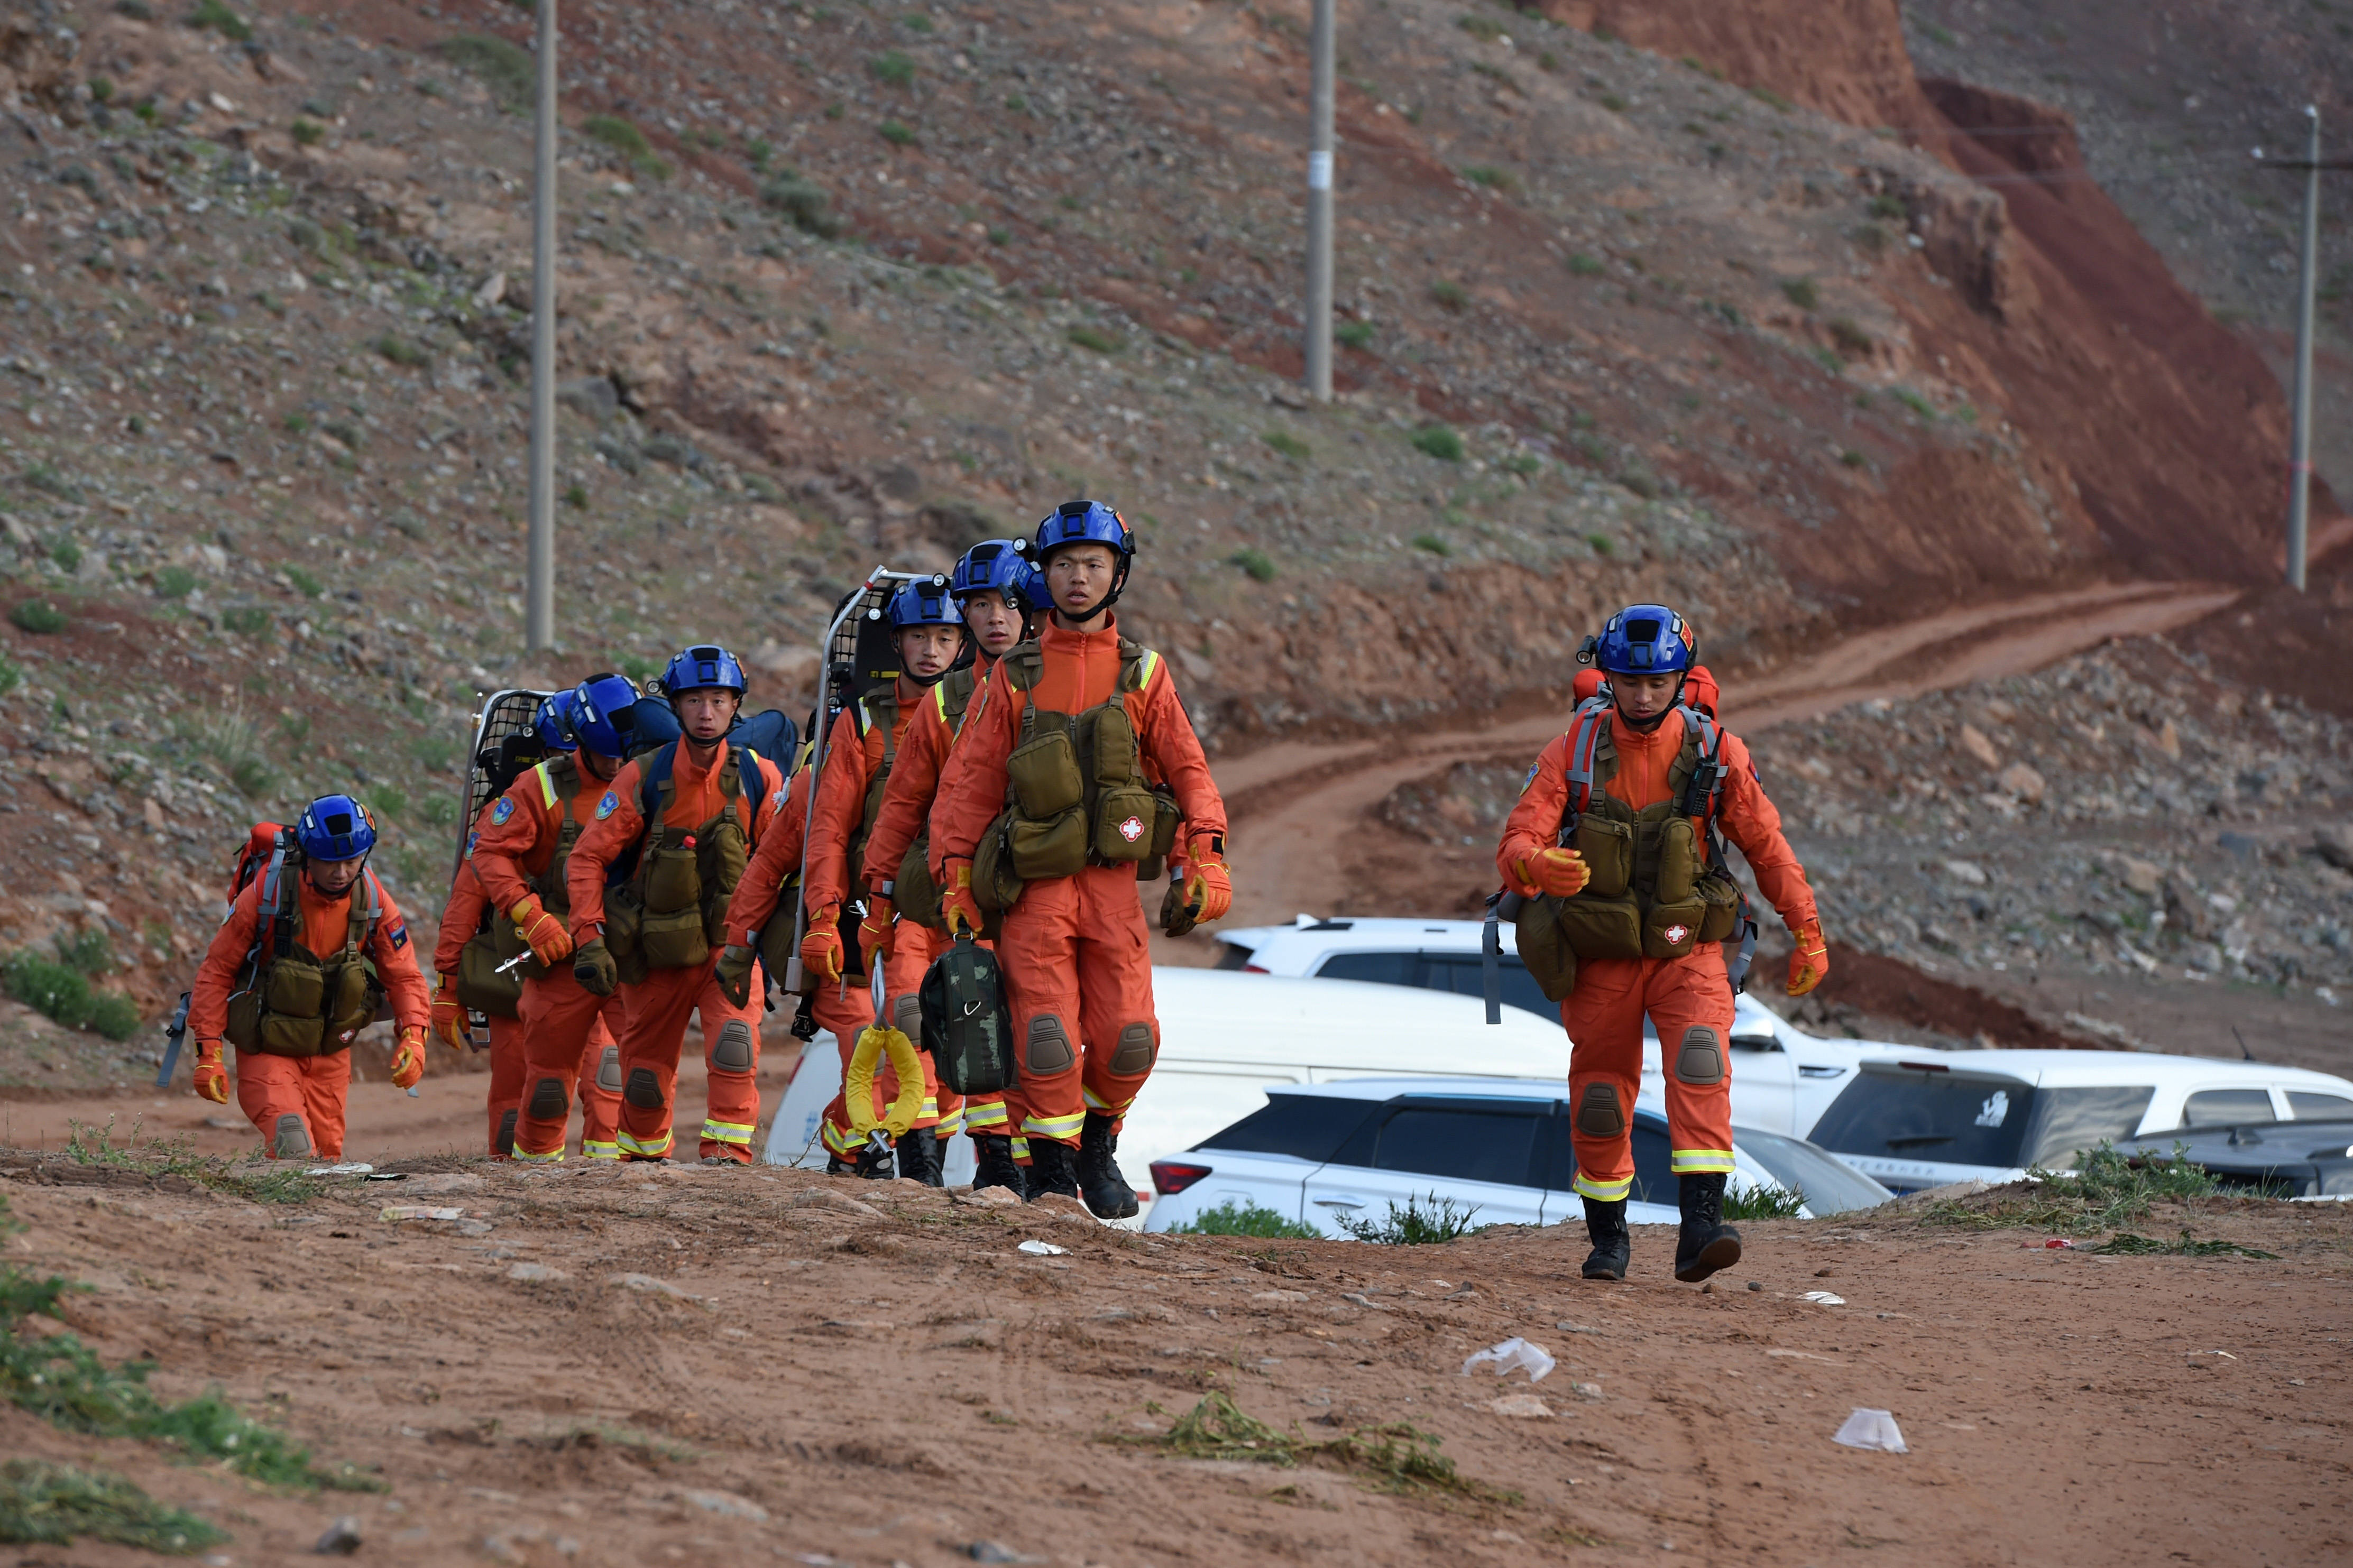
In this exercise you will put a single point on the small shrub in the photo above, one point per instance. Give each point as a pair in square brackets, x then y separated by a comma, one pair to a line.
[1426, 1221]
[1771, 99]
[61, 993]
[1641, 481]
[101, 90]
[1236, 1217]
[1254, 562]
[220, 19]
[576, 496]
[1886, 207]
[1486, 29]
[1849, 338]
[803, 201]
[1439, 441]
[629, 142]
[1068, 202]
[387, 801]
[1095, 338]
[1764, 1202]
[892, 69]
[1489, 177]
[247, 620]
[438, 811]
[1801, 292]
[2125, 1244]
[506, 68]
[1585, 266]
[11, 676]
[253, 778]
[46, 478]
[434, 753]
[1855, 460]
[896, 132]
[87, 952]
[1432, 543]
[1915, 402]
[401, 350]
[1523, 464]
[1288, 445]
[66, 554]
[38, 615]
[638, 667]
[1547, 61]
[49, 1504]
[1613, 103]
[1450, 294]
[1353, 334]
[1603, 544]
[1000, 236]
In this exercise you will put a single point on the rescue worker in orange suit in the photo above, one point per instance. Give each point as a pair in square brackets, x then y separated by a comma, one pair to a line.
[991, 586]
[311, 948]
[570, 1036]
[462, 916]
[681, 822]
[1591, 836]
[861, 757]
[1076, 957]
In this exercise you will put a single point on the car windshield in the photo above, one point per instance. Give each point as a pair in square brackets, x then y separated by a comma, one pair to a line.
[1829, 1186]
[1309, 1126]
[1463, 973]
[1956, 1121]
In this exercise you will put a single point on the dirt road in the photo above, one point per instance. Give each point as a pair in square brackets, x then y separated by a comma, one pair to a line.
[662, 1363]
[1300, 808]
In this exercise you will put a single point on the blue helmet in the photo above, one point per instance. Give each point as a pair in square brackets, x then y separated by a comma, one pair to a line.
[603, 713]
[1086, 523]
[924, 604]
[1642, 639]
[555, 728]
[1001, 567]
[701, 669]
[335, 827]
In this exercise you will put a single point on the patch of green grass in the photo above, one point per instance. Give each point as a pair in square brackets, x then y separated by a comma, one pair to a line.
[310, 587]
[1764, 1202]
[1288, 445]
[37, 616]
[214, 14]
[66, 554]
[435, 753]
[896, 132]
[1489, 178]
[916, 22]
[577, 497]
[52, 1505]
[1353, 334]
[638, 667]
[1524, 465]
[1254, 562]
[438, 811]
[1426, 1221]
[2111, 1190]
[1915, 402]
[402, 350]
[308, 132]
[1613, 103]
[11, 676]
[1440, 441]
[1450, 294]
[892, 69]
[625, 138]
[1855, 460]
[1886, 207]
[1098, 340]
[1236, 1217]
[86, 952]
[1601, 543]
[1801, 292]
[1486, 29]
[46, 478]
[387, 801]
[804, 202]
[247, 620]
[1585, 266]
[1396, 1457]
[1849, 338]
[1432, 543]
[1771, 99]
[64, 994]
[2125, 1244]
[504, 68]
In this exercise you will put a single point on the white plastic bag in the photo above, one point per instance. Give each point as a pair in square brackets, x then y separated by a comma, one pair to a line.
[1041, 1250]
[1513, 1353]
[1873, 1429]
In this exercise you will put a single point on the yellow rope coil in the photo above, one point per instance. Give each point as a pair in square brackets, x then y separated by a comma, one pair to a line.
[858, 1082]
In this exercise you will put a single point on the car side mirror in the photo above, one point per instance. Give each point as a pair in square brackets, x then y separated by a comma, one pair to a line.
[1756, 1043]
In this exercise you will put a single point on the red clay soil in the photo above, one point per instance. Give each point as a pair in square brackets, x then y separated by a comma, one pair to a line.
[1886, 987]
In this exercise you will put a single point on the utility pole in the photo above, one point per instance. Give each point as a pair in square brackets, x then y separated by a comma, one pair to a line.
[2299, 472]
[539, 600]
[1319, 209]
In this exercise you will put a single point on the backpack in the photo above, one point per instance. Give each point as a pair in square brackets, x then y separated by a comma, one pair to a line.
[966, 1026]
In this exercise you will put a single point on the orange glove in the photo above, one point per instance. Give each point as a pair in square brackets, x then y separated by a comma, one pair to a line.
[875, 931]
[211, 1077]
[822, 943]
[550, 943]
[1209, 888]
[1810, 964]
[1562, 873]
[958, 909]
[408, 1059]
[449, 1014]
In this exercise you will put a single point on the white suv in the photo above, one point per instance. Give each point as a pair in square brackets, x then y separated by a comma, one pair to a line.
[1783, 1079]
[1321, 1153]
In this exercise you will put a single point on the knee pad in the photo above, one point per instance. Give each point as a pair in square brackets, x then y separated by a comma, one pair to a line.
[907, 1017]
[548, 1102]
[608, 1070]
[644, 1090]
[1049, 1049]
[1598, 1114]
[733, 1050]
[294, 1139]
[1137, 1051]
[1700, 1062]
[504, 1144]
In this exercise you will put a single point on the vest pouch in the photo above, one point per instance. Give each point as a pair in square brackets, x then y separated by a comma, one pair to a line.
[1167, 816]
[295, 986]
[1672, 929]
[625, 924]
[243, 1026]
[1721, 894]
[674, 940]
[994, 887]
[285, 1036]
[1055, 847]
[1113, 734]
[479, 985]
[1678, 861]
[1607, 846]
[353, 997]
[1044, 772]
[915, 894]
[776, 946]
[1601, 928]
[672, 878]
[1544, 948]
[721, 856]
[1124, 816]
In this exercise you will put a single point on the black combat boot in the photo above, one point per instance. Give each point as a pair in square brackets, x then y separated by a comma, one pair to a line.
[919, 1156]
[874, 1162]
[993, 1165]
[1706, 1243]
[1051, 1168]
[1612, 1247]
[1106, 1192]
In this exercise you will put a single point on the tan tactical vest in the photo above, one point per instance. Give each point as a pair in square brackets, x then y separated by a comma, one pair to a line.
[290, 1002]
[672, 912]
[913, 892]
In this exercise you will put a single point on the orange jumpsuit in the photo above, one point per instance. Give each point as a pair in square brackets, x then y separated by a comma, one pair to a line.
[565, 1031]
[1689, 998]
[1076, 953]
[906, 805]
[656, 1009]
[853, 756]
[270, 1088]
[461, 917]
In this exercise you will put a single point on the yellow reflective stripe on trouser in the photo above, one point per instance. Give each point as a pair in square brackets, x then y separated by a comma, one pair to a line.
[985, 1116]
[549, 1158]
[930, 1112]
[950, 1124]
[600, 1149]
[1699, 1162]
[1603, 1191]
[1096, 1102]
[718, 1132]
[653, 1150]
[840, 1140]
[1020, 1146]
[1061, 1129]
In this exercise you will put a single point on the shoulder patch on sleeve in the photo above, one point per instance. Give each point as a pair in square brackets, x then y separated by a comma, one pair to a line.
[501, 811]
[1531, 778]
[398, 935]
[608, 806]
[471, 840]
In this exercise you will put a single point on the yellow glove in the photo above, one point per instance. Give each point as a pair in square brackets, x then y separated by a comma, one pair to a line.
[958, 909]
[875, 933]
[1562, 873]
[550, 943]
[408, 1059]
[822, 943]
[1810, 965]
[1209, 888]
[449, 1014]
[211, 1077]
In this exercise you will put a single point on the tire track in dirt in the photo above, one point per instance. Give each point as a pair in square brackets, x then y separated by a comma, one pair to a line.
[1301, 811]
